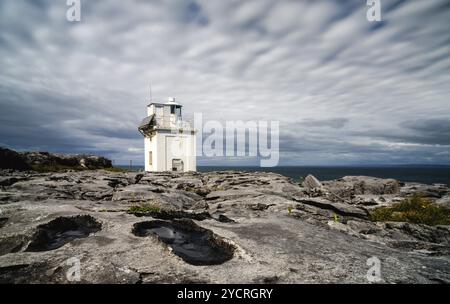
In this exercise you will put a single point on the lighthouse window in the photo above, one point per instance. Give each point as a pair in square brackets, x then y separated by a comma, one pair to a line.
[172, 109]
[150, 158]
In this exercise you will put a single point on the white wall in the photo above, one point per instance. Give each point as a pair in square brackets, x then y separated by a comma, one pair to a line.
[166, 146]
[150, 145]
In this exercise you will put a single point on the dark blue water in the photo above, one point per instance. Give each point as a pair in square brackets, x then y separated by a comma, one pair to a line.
[421, 174]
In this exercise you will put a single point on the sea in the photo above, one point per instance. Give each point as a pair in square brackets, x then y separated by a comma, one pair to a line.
[420, 173]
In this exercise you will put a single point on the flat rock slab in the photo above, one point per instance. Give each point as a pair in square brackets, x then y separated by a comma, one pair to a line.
[231, 194]
[277, 232]
[339, 208]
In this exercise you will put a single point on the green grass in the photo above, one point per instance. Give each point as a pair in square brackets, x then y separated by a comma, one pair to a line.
[335, 218]
[144, 209]
[415, 210]
[290, 208]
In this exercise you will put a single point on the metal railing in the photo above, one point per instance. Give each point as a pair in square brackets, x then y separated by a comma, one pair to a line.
[169, 122]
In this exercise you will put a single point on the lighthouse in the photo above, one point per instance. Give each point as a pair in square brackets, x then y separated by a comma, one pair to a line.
[169, 140]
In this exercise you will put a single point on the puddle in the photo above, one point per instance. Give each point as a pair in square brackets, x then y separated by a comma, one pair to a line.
[61, 231]
[195, 245]
[173, 214]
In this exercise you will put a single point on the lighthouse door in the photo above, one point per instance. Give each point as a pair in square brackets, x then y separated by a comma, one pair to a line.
[177, 165]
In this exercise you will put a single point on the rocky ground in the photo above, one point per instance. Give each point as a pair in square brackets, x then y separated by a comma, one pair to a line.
[217, 227]
[45, 161]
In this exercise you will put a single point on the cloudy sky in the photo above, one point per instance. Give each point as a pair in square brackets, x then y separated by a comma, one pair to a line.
[345, 90]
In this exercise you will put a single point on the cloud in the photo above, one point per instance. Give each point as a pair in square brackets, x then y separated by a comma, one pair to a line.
[344, 90]
[425, 131]
[336, 123]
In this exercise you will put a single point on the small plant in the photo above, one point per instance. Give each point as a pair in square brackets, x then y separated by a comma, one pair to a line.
[415, 210]
[335, 218]
[144, 209]
[290, 208]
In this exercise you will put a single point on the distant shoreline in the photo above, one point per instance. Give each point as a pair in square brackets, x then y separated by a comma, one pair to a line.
[425, 174]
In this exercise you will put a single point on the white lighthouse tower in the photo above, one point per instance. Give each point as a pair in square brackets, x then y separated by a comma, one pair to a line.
[169, 140]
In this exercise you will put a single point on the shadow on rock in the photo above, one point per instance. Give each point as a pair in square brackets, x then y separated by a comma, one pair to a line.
[61, 231]
[194, 244]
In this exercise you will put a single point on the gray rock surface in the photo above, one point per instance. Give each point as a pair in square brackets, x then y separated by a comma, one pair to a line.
[277, 231]
[356, 185]
[311, 182]
[339, 208]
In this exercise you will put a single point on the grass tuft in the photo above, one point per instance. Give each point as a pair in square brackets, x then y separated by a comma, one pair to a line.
[144, 209]
[415, 210]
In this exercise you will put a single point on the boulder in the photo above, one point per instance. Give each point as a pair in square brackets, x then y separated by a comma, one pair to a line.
[373, 185]
[433, 192]
[311, 182]
[357, 185]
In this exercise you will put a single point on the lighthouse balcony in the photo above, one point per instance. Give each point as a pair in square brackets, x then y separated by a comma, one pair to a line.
[153, 123]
